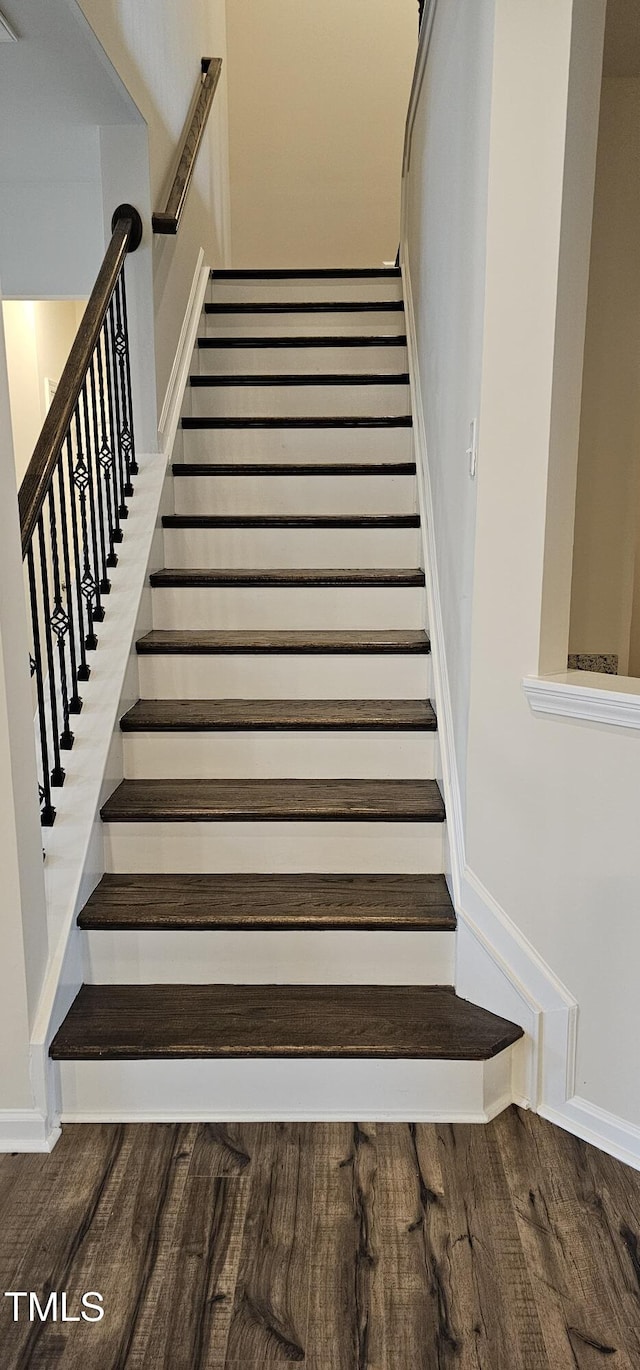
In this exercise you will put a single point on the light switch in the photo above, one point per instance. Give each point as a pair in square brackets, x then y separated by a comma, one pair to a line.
[472, 449]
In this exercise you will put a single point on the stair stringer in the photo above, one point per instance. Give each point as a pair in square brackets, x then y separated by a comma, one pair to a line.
[74, 847]
[496, 966]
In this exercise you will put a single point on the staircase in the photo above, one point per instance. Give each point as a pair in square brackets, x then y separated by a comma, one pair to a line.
[274, 936]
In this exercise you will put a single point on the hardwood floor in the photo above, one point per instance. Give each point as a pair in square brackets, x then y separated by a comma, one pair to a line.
[343, 1246]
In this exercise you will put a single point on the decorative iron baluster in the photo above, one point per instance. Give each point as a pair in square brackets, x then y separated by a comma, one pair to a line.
[75, 702]
[126, 366]
[47, 811]
[57, 773]
[60, 624]
[125, 487]
[83, 610]
[89, 582]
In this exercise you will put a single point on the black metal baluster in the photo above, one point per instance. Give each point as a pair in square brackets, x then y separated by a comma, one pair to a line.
[47, 811]
[107, 449]
[110, 418]
[102, 484]
[121, 289]
[84, 631]
[57, 773]
[124, 450]
[89, 583]
[75, 702]
[95, 502]
[59, 623]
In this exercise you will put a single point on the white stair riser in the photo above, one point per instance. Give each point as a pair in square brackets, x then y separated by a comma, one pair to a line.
[275, 1089]
[300, 361]
[296, 957]
[358, 323]
[279, 847]
[305, 676]
[303, 290]
[258, 401]
[272, 755]
[295, 495]
[291, 548]
[294, 608]
[377, 400]
[232, 445]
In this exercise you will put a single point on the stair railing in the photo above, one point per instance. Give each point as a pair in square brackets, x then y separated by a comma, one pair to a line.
[168, 221]
[73, 503]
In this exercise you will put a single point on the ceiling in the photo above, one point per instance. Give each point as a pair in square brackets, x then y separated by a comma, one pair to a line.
[622, 38]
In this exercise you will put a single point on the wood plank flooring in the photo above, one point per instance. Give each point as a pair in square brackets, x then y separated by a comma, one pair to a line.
[344, 1246]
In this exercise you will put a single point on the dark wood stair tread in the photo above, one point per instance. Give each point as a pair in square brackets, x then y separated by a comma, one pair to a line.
[204, 576]
[338, 273]
[306, 307]
[213, 642]
[308, 521]
[279, 715]
[309, 340]
[273, 379]
[325, 468]
[222, 801]
[133, 1022]
[418, 903]
[308, 421]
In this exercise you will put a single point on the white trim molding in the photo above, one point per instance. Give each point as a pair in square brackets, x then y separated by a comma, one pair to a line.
[598, 1127]
[182, 361]
[7, 34]
[26, 1129]
[586, 695]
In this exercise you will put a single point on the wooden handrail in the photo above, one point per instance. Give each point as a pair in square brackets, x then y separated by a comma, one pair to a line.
[168, 221]
[126, 237]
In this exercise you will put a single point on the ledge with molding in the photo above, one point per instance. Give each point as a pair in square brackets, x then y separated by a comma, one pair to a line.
[586, 695]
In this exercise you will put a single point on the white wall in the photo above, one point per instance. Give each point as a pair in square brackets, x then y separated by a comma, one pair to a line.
[551, 806]
[38, 335]
[156, 47]
[22, 908]
[318, 96]
[446, 205]
[608, 494]
[50, 210]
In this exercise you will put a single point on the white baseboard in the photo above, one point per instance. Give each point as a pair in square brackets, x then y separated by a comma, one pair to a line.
[496, 966]
[26, 1130]
[182, 361]
[598, 1127]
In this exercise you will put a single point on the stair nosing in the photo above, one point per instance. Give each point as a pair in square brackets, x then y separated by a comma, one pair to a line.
[293, 903]
[276, 380]
[307, 307]
[189, 423]
[304, 521]
[150, 801]
[175, 643]
[318, 579]
[188, 470]
[358, 273]
[287, 1021]
[307, 341]
[253, 716]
